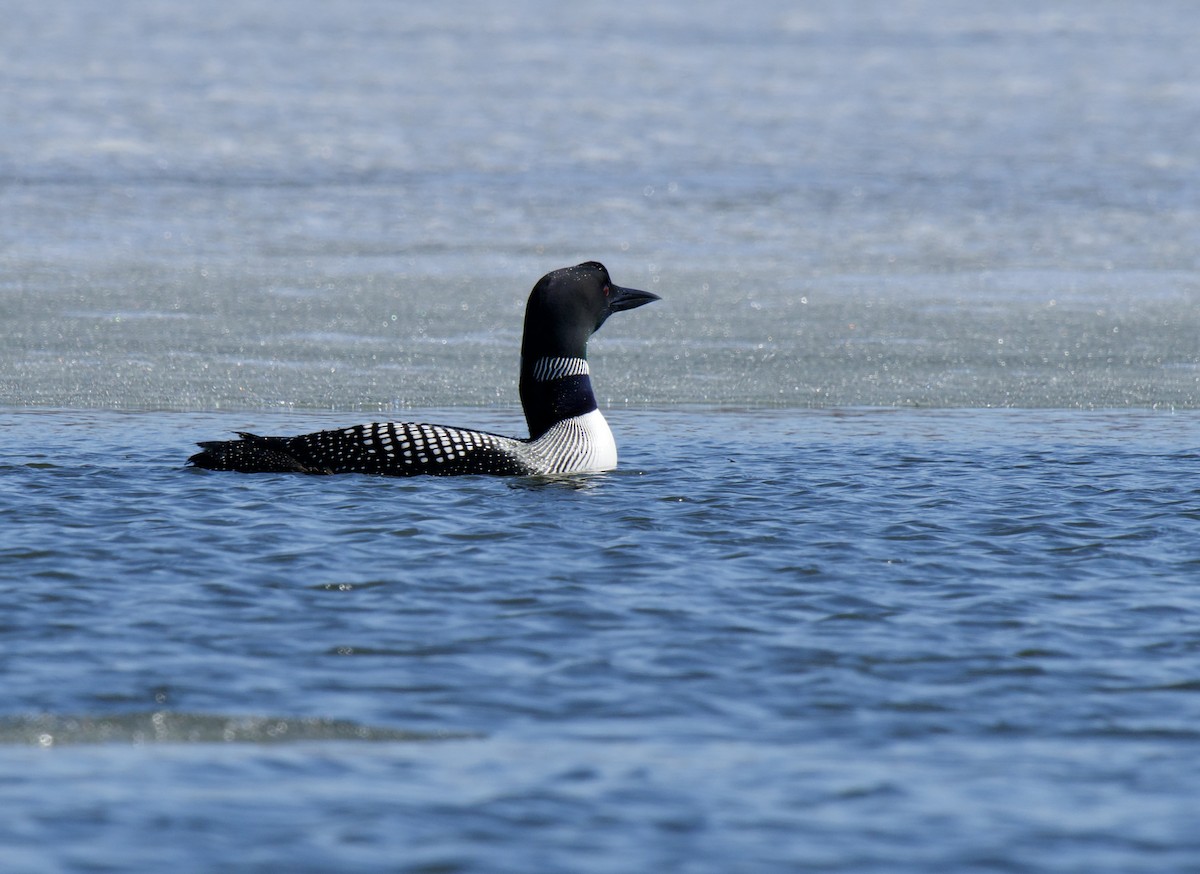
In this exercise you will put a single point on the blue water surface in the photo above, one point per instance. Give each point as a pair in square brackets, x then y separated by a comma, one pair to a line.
[845, 640]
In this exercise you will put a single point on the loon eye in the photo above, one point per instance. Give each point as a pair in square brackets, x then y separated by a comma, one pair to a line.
[606, 289]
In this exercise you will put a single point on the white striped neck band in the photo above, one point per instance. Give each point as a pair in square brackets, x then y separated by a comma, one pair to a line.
[547, 369]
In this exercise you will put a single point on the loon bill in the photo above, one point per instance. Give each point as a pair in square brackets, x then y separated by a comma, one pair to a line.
[567, 433]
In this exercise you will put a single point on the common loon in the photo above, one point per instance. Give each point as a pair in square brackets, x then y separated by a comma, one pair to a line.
[567, 433]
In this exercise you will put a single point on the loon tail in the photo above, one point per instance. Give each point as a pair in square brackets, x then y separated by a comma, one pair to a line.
[250, 454]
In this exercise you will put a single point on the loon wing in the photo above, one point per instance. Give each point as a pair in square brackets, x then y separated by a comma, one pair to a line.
[387, 448]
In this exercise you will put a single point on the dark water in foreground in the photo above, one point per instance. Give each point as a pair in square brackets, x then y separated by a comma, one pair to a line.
[841, 640]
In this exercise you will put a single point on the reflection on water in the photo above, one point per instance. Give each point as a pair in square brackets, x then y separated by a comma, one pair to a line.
[171, 727]
[875, 206]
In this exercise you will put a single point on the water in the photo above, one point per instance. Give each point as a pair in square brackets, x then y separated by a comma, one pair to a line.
[843, 633]
[897, 572]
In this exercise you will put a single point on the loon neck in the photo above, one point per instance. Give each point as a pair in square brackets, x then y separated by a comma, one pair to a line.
[552, 389]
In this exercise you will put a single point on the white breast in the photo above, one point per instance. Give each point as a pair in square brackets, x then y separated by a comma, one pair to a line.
[577, 445]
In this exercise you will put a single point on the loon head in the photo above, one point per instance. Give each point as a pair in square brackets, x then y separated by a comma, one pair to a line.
[569, 305]
[565, 308]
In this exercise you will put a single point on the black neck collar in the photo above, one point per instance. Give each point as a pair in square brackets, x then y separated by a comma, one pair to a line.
[553, 389]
